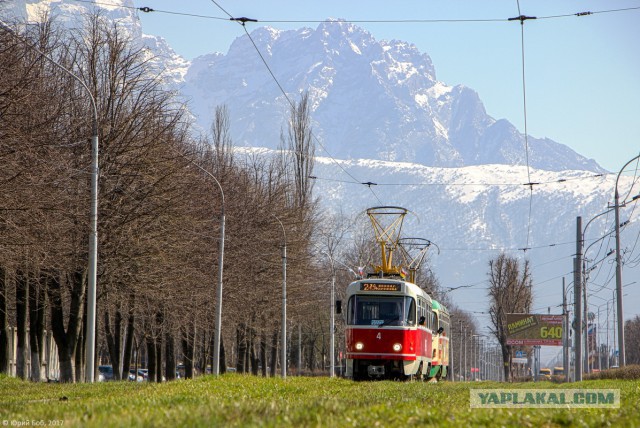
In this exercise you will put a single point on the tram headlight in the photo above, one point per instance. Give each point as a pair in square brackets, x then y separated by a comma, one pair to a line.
[397, 347]
[359, 346]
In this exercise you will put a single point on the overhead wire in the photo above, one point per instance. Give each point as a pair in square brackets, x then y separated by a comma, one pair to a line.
[147, 9]
[522, 18]
[444, 183]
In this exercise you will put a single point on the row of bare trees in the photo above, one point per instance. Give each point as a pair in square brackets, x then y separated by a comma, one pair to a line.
[158, 219]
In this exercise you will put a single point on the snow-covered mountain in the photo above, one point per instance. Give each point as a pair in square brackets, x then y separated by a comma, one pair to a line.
[370, 99]
[474, 213]
[165, 62]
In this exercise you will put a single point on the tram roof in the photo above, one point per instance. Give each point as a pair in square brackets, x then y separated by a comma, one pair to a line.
[438, 306]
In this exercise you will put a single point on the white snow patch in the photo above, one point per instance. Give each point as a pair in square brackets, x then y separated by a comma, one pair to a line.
[421, 99]
[440, 129]
[355, 48]
[438, 90]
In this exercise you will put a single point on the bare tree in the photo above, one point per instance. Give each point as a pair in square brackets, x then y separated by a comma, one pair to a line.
[509, 292]
[632, 337]
[301, 150]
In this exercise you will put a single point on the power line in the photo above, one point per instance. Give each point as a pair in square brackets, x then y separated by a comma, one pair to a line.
[444, 183]
[522, 18]
[360, 21]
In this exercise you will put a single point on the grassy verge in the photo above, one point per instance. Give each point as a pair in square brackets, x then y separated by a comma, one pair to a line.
[235, 400]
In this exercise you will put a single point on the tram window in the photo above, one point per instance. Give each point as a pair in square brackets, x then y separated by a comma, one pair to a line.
[445, 326]
[380, 310]
[410, 310]
[351, 312]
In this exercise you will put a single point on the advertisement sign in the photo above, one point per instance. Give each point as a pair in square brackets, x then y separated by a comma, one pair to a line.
[534, 329]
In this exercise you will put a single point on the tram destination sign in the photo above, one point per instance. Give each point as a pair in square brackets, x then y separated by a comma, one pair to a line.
[377, 286]
[534, 329]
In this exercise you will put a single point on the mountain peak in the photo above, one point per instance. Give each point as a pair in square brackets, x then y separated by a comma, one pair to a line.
[369, 99]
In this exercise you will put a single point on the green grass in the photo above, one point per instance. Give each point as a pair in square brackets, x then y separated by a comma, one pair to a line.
[236, 400]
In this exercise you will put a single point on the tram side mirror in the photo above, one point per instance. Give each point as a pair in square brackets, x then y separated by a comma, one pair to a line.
[422, 320]
[440, 330]
[338, 306]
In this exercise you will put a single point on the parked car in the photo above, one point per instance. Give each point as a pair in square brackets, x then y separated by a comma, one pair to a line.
[142, 375]
[105, 373]
[133, 377]
[545, 374]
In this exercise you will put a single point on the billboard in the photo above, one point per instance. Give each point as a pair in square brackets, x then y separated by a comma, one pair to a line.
[534, 329]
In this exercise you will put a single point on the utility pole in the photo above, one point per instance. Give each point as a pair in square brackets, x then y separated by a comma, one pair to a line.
[460, 366]
[585, 317]
[577, 286]
[332, 324]
[565, 333]
[283, 356]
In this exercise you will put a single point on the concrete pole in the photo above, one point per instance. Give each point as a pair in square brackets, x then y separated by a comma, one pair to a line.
[332, 326]
[460, 366]
[218, 327]
[577, 321]
[565, 333]
[621, 355]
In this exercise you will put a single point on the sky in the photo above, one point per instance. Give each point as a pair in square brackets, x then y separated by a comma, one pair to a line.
[582, 74]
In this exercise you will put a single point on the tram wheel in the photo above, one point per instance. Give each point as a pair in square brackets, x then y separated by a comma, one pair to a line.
[419, 375]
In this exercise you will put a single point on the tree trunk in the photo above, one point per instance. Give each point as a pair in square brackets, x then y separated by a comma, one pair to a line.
[22, 293]
[67, 363]
[252, 354]
[81, 349]
[128, 343]
[187, 351]
[151, 358]
[274, 352]
[241, 340]
[159, 359]
[506, 357]
[4, 323]
[170, 356]
[223, 357]
[113, 341]
[66, 341]
[36, 328]
[311, 343]
[263, 352]
[159, 320]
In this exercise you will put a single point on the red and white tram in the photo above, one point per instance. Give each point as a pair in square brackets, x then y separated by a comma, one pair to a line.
[389, 325]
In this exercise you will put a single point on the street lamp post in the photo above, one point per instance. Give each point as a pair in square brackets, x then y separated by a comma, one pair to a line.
[474, 354]
[332, 318]
[218, 326]
[283, 357]
[619, 270]
[93, 219]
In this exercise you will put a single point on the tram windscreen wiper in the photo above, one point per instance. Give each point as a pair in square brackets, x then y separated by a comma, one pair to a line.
[389, 321]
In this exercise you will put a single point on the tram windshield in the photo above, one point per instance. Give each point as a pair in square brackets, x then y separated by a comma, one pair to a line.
[381, 310]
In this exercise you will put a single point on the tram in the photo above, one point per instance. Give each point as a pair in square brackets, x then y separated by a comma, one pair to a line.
[388, 330]
[394, 330]
[440, 347]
